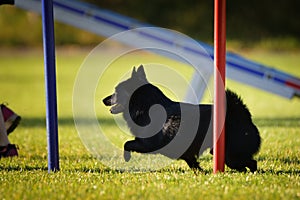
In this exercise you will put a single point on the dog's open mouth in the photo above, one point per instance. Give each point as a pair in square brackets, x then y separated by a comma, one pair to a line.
[117, 108]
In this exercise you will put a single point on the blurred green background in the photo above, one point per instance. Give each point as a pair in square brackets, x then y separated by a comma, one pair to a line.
[257, 23]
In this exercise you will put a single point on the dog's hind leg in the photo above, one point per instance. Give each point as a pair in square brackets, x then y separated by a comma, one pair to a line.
[193, 163]
[240, 163]
[235, 163]
[252, 165]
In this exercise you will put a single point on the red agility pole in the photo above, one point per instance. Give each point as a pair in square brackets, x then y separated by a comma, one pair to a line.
[219, 83]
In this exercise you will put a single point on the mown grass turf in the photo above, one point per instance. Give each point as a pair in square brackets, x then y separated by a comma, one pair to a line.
[84, 177]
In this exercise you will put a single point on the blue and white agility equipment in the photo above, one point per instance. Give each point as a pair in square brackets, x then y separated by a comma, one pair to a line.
[107, 23]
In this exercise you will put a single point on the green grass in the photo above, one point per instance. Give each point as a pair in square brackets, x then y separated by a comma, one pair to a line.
[82, 176]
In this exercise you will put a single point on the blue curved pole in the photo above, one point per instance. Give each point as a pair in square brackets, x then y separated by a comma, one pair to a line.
[50, 85]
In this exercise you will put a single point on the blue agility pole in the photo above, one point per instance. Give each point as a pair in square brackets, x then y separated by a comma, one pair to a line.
[50, 85]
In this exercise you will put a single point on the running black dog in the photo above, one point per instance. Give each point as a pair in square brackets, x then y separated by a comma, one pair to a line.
[180, 130]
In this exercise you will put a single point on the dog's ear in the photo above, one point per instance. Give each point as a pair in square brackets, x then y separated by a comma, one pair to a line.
[133, 73]
[141, 73]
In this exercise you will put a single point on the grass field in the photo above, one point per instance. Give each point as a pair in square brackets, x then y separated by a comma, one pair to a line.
[82, 176]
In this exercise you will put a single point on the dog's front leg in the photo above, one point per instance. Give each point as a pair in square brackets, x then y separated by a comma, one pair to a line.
[127, 155]
[133, 145]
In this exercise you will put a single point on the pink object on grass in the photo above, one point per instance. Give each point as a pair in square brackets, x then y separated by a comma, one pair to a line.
[11, 119]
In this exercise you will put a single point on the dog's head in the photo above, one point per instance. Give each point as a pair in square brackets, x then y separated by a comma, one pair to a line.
[119, 100]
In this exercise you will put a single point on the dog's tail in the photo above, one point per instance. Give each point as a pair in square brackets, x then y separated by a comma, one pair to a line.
[238, 119]
[235, 105]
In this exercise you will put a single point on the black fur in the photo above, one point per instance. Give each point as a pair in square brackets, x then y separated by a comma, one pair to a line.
[134, 98]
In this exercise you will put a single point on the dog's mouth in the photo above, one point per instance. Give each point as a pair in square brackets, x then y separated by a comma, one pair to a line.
[117, 108]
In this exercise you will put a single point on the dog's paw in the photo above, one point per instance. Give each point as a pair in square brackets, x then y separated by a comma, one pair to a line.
[127, 155]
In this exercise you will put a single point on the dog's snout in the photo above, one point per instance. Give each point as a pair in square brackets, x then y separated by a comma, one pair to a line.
[108, 100]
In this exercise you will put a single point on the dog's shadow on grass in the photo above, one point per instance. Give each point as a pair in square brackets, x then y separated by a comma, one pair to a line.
[286, 161]
[103, 170]
[185, 171]
[23, 168]
[279, 172]
[139, 171]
